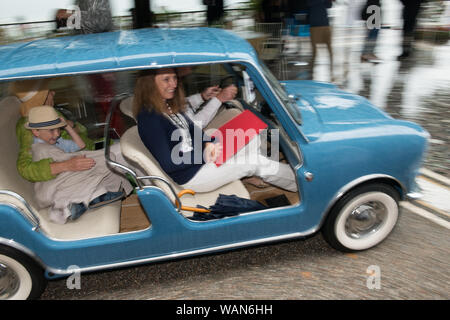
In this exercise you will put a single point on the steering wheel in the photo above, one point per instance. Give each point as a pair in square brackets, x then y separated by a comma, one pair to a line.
[233, 104]
[225, 82]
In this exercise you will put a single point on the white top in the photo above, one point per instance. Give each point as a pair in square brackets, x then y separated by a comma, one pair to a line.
[202, 115]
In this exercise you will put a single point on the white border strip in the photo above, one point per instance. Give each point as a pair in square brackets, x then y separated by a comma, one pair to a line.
[425, 214]
[434, 175]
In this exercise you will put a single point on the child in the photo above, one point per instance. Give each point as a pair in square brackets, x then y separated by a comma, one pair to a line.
[49, 132]
[88, 185]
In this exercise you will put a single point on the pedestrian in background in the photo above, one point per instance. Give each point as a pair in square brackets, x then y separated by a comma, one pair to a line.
[320, 29]
[214, 12]
[368, 52]
[95, 16]
[411, 10]
[272, 10]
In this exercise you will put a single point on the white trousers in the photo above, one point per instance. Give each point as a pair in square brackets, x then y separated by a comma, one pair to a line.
[247, 162]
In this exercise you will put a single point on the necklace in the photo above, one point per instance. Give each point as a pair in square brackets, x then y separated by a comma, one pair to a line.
[181, 123]
[178, 120]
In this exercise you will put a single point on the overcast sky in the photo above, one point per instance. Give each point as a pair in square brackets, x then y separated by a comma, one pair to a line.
[40, 10]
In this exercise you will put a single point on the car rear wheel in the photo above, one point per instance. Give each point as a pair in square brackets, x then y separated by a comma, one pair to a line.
[362, 218]
[20, 277]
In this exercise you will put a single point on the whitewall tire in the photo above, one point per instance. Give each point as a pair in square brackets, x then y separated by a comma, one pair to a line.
[20, 277]
[362, 218]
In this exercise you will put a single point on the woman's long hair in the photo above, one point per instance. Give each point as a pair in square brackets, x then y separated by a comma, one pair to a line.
[146, 94]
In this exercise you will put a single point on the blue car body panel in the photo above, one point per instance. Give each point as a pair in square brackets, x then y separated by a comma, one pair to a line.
[120, 50]
[351, 136]
[343, 140]
[170, 236]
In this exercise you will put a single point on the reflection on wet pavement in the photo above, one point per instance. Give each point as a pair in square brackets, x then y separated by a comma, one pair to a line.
[417, 89]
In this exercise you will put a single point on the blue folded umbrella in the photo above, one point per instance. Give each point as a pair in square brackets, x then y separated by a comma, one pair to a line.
[227, 206]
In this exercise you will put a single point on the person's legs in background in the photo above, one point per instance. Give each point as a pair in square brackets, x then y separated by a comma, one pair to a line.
[368, 54]
[410, 12]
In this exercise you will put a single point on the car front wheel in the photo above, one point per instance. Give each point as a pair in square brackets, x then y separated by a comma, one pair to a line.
[20, 277]
[362, 218]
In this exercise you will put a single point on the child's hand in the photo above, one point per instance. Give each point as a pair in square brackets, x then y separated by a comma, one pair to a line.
[73, 132]
[70, 123]
[80, 163]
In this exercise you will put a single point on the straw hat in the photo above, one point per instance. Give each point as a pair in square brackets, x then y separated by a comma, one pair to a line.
[31, 93]
[44, 117]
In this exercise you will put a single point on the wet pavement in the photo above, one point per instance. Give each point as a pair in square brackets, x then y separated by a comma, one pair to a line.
[416, 89]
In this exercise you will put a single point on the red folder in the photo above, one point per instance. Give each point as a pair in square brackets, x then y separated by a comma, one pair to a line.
[237, 133]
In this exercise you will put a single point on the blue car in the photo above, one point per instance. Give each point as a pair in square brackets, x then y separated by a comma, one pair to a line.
[353, 162]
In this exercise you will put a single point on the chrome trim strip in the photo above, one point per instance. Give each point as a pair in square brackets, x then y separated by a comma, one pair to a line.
[15, 245]
[178, 201]
[414, 195]
[33, 218]
[107, 143]
[188, 253]
[140, 67]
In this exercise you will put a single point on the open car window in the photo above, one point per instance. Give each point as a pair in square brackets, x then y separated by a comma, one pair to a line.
[285, 99]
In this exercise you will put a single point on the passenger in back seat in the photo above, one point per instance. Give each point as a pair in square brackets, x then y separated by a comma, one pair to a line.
[159, 106]
[32, 93]
[72, 193]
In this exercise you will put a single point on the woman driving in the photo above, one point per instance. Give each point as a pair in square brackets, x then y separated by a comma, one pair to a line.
[183, 150]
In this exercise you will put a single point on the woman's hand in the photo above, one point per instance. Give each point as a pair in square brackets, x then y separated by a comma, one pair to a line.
[210, 92]
[228, 93]
[212, 152]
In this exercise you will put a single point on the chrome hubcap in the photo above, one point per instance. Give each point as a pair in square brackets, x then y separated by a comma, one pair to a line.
[9, 282]
[365, 219]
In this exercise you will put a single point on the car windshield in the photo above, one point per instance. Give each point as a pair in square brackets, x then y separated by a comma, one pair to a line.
[287, 100]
